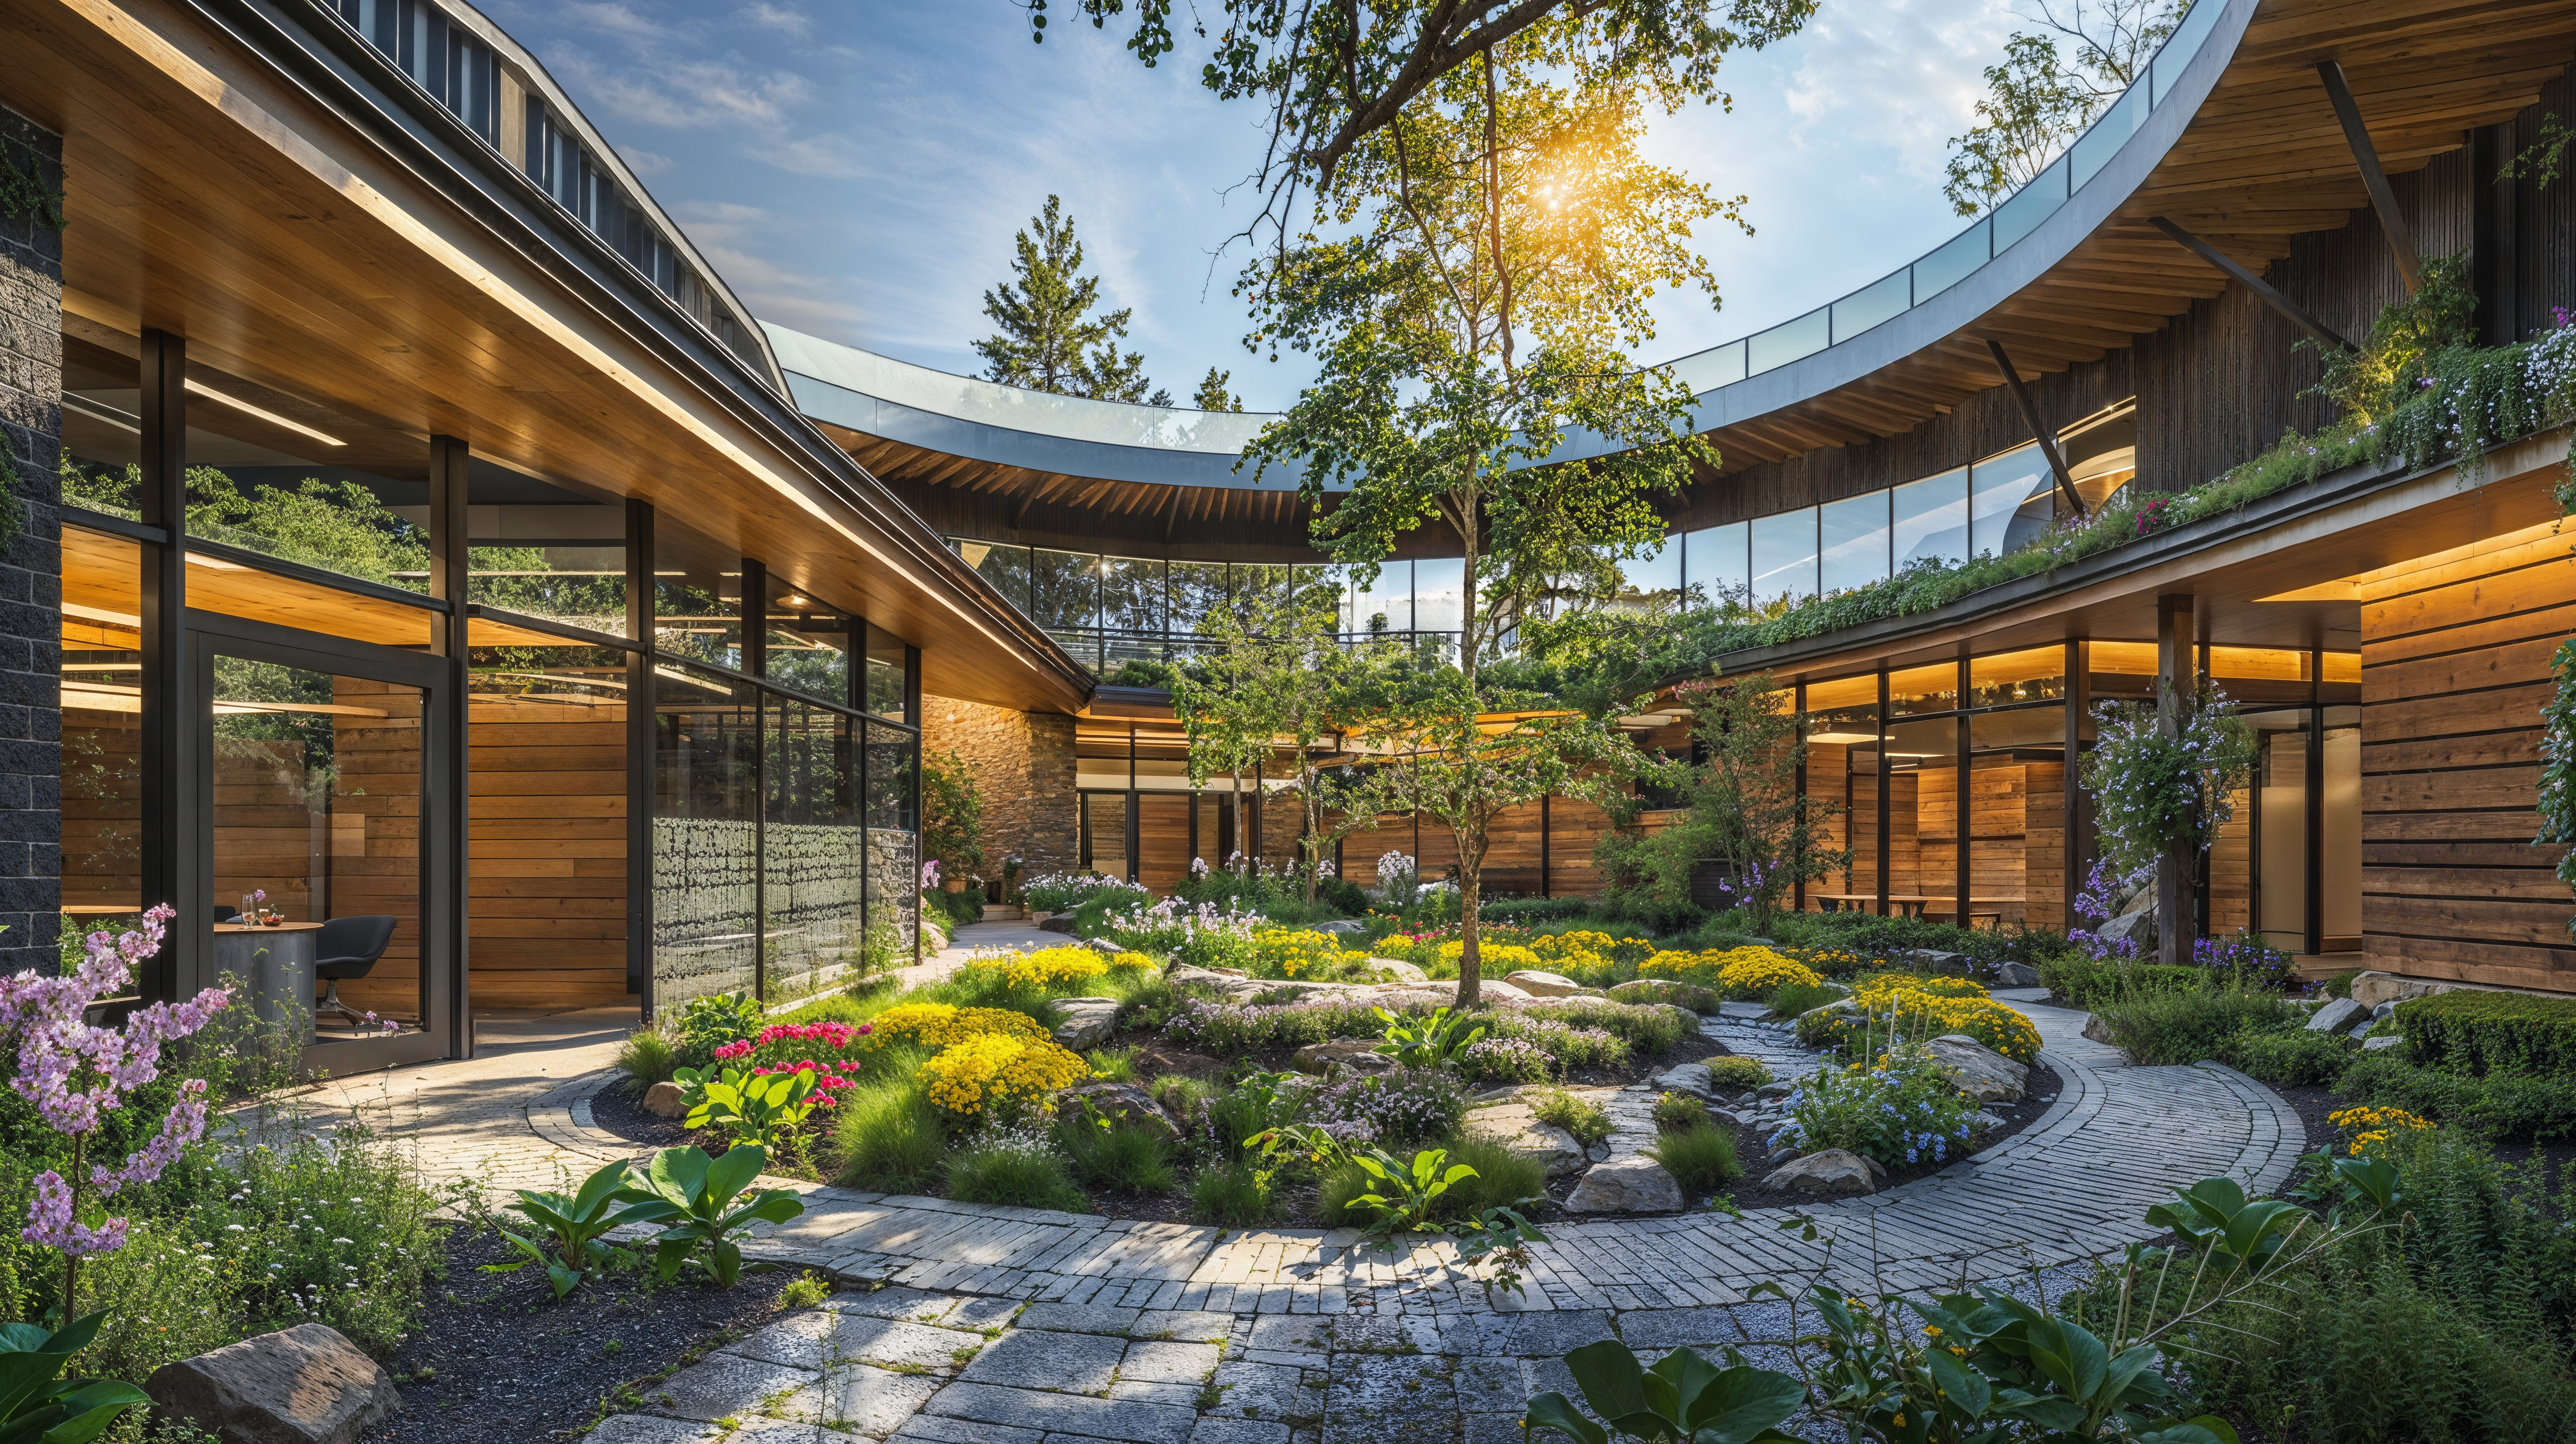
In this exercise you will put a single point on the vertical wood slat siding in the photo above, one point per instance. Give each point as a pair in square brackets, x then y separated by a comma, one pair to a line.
[2451, 886]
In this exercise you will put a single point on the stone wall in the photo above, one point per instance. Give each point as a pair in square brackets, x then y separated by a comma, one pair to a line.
[31, 570]
[1022, 763]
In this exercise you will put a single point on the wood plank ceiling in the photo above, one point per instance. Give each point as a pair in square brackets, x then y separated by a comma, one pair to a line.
[1030, 491]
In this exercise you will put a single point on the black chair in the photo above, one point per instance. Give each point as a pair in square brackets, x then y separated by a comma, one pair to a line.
[225, 913]
[348, 948]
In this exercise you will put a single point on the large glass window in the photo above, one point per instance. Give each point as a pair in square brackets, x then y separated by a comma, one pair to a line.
[1064, 588]
[1924, 689]
[102, 424]
[1854, 541]
[542, 551]
[1199, 590]
[697, 593]
[1654, 576]
[889, 692]
[289, 476]
[2013, 501]
[1006, 567]
[1131, 594]
[809, 643]
[1930, 520]
[2034, 675]
[102, 714]
[706, 835]
[1440, 594]
[812, 851]
[1784, 555]
[2281, 829]
[1718, 566]
[1382, 605]
[893, 879]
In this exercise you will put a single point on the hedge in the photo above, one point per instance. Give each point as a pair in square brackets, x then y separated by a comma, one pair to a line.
[2475, 1033]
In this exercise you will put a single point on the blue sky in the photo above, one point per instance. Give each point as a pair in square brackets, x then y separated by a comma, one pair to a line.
[856, 170]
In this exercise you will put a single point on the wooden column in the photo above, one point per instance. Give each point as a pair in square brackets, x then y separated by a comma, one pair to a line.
[1886, 776]
[449, 564]
[2177, 686]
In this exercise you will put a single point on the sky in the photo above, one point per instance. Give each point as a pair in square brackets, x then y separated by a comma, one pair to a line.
[857, 170]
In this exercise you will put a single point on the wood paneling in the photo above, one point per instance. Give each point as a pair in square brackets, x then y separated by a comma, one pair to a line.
[2452, 682]
[546, 843]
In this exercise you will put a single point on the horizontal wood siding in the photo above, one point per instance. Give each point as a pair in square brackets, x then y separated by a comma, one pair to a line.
[546, 844]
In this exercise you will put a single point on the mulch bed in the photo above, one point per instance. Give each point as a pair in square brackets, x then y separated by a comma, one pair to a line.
[619, 1108]
[499, 1358]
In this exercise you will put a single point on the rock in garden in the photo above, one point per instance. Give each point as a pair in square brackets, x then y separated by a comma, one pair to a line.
[1985, 1122]
[1338, 927]
[666, 1100]
[2017, 975]
[2360, 1032]
[1955, 965]
[2381, 1044]
[1086, 1020]
[2384, 1010]
[1103, 946]
[304, 1385]
[1180, 974]
[1687, 1078]
[1120, 1103]
[2097, 1030]
[1515, 1128]
[1543, 985]
[1660, 990]
[1743, 1012]
[1321, 1059]
[1819, 1014]
[1056, 923]
[1778, 1088]
[1625, 1185]
[2335, 1016]
[1494, 992]
[2138, 928]
[1782, 1154]
[1397, 970]
[1835, 1170]
[1979, 1071]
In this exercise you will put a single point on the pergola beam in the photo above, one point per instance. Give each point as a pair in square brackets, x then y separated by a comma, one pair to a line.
[2401, 241]
[2261, 288]
[2039, 431]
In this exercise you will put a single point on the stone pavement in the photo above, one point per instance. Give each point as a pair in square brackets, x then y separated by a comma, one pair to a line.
[1325, 1339]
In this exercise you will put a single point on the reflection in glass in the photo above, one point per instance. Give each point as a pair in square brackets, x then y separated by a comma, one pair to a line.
[1652, 576]
[812, 851]
[102, 714]
[1931, 519]
[278, 474]
[697, 588]
[2281, 829]
[2012, 501]
[889, 676]
[316, 796]
[1199, 590]
[893, 880]
[1924, 689]
[1005, 566]
[1720, 567]
[102, 435]
[1382, 605]
[1784, 555]
[706, 835]
[580, 586]
[1064, 588]
[809, 643]
[216, 584]
[1131, 594]
[1853, 533]
[1440, 594]
[2036, 674]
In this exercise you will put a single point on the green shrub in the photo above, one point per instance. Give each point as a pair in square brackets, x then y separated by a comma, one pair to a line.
[1663, 990]
[1729, 1071]
[1676, 1111]
[1645, 1027]
[1016, 1171]
[1231, 1195]
[1502, 1177]
[709, 1022]
[2173, 1028]
[888, 1137]
[1589, 1122]
[2507, 1107]
[647, 1058]
[2292, 1058]
[962, 907]
[1791, 999]
[1701, 1160]
[2340, 985]
[1118, 1065]
[1126, 1160]
[1534, 909]
[2091, 983]
[1183, 1097]
[2477, 1033]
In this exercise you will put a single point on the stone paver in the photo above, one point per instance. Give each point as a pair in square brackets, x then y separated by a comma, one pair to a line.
[961, 1324]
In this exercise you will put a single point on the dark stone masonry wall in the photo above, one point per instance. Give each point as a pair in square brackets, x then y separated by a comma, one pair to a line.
[31, 571]
[1022, 763]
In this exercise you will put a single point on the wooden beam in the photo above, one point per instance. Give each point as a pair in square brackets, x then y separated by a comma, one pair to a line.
[2039, 431]
[2392, 224]
[2262, 290]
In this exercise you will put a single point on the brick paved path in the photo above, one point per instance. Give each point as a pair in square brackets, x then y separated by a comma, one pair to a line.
[1181, 1334]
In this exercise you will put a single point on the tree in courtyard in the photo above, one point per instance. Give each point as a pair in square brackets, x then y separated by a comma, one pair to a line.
[1212, 395]
[1743, 807]
[1049, 340]
[1275, 692]
[2163, 782]
[952, 815]
[2041, 98]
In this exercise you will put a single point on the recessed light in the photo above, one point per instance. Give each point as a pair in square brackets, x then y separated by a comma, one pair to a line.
[271, 417]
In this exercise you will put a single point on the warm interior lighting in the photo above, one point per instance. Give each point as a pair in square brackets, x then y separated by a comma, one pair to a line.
[2539, 542]
[1844, 739]
[271, 417]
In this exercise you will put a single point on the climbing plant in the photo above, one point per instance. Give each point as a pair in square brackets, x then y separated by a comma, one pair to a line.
[2151, 790]
[23, 192]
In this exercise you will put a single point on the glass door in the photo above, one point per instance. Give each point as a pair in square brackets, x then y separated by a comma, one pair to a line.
[323, 805]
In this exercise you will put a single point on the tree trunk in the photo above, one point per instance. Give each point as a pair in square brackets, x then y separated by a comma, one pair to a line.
[1470, 849]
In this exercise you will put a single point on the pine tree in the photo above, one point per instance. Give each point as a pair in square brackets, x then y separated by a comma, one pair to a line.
[1212, 395]
[1048, 339]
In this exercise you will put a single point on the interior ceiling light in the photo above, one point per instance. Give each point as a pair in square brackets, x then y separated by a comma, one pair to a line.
[1844, 739]
[271, 417]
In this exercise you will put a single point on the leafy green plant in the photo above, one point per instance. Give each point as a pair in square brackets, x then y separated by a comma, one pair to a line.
[1589, 1122]
[1683, 1399]
[2181, 1028]
[710, 1021]
[574, 1224]
[1494, 1245]
[1407, 1193]
[749, 1108]
[1702, 1160]
[2291, 1057]
[1118, 1065]
[1901, 1110]
[2475, 1033]
[1429, 1043]
[38, 1405]
[1232, 1194]
[1124, 1159]
[1679, 1112]
[700, 1200]
[1731, 1071]
[647, 1058]
[2229, 1230]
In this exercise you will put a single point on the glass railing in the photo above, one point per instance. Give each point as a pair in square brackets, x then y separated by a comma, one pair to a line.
[1959, 257]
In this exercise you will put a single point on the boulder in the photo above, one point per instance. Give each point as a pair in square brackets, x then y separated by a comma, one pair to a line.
[2097, 1030]
[1543, 985]
[1834, 1171]
[304, 1385]
[1979, 1071]
[1513, 1126]
[1056, 923]
[2017, 975]
[2381, 1044]
[1775, 1089]
[1687, 1078]
[1954, 965]
[1121, 1103]
[2360, 1032]
[2137, 929]
[1744, 1012]
[1494, 992]
[1625, 1185]
[1085, 1020]
[666, 1100]
[1103, 946]
[1356, 1055]
[1397, 970]
[2370, 989]
[1663, 990]
[1339, 927]
[1179, 974]
[2384, 1010]
[2337, 1015]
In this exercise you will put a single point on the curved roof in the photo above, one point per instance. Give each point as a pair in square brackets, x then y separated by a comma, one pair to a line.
[2229, 134]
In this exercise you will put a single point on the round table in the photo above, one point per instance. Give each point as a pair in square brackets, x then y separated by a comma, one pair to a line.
[275, 964]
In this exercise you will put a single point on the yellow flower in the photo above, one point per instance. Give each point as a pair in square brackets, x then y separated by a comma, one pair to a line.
[938, 1025]
[1000, 1072]
[1049, 966]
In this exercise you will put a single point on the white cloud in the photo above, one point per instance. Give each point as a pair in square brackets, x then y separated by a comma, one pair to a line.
[780, 18]
[836, 156]
[695, 94]
[644, 162]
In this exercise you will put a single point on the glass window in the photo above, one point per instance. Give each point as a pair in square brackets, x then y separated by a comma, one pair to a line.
[1854, 541]
[893, 879]
[1005, 566]
[102, 716]
[1931, 519]
[1720, 569]
[1789, 341]
[2009, 677]
[809, 643]
[812, 851]
[2339, 870]
[1841, 692]
[1064, 588]
[102, 424]
[543, 551]
[889, 675]
[1784, 555]
[1888, 296]
[1952, 263]
[706, 835]
[1382, 605]
[2013, 501]
[1653, 576]
[1440, 594]
[219, 584]
[1919, 744]
[316, 799]
[1131, 594]
[1924, 689]
[281, 474]
[2270, 664]
[1199, 589]
[2281, 828]
[697, 592]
